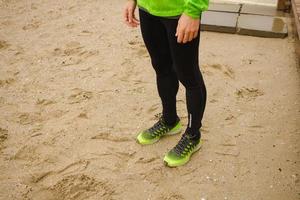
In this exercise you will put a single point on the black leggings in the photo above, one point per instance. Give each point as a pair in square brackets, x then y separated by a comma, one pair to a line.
[172, 62]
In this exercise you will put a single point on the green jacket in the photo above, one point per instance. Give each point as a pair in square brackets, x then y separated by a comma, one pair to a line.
[169, 8]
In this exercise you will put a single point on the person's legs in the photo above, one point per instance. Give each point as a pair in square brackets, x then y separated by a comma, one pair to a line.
[156, 41]
[155, 37]
[185, 60]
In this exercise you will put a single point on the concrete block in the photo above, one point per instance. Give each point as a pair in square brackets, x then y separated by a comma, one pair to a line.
[262, 26]
[219, 21]
[223, 7]
[261, 10]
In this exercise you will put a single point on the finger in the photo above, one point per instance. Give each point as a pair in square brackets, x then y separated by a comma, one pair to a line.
[195, 34]
[135, 23]
[130, 16]
[128, 24]
[135, 20]
[126, 15]
[177, 31]
[186, 37]
[191, 36]
[180, 36]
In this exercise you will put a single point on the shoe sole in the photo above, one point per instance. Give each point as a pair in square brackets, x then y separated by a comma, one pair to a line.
[183, 163]
[173, 132]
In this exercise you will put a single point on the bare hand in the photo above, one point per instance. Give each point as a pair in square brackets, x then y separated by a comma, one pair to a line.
[129, 15]
[187, 28]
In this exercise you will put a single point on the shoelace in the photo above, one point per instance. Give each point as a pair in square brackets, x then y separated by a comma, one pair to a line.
[157, 127]
[183, 143]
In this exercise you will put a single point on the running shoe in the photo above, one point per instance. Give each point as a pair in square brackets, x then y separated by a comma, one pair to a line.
[182, 152]
[158, 130]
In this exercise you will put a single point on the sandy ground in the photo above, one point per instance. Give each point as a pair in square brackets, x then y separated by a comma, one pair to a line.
[76, 86]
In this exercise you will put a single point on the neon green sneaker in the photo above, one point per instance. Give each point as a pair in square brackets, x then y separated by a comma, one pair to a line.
[158, 130]
[182, 152]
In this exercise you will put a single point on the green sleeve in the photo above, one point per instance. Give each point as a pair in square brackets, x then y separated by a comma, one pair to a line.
[194, 8]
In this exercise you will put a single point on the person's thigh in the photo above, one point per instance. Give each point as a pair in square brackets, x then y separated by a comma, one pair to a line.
[155, 37]
[184, 56]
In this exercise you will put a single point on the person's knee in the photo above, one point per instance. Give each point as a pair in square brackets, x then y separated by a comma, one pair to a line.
[162, 68]
[190, 82]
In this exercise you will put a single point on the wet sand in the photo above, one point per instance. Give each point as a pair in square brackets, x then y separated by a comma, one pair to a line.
[76, 86]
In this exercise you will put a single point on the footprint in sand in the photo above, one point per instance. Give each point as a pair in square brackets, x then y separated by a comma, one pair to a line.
[73, 53]
[44, 102]
[72, 7]
[3, 44]
[127, 63]
[142, 51]
[139, 47]
[86, 33]
[137, 90]
[54, 14]
[79, 96]
[71, 61]
[32, 26]
[228, 151]
[83, 115]
[54, 114]
[77, 186]
[153, 108]
[248, 93]
[7, 23]
[72, 48]
[154, 174]
[34, 6]
[81, 186]
[70, 26]
[3, 137]
[230, 117]
[119, 158]
[171, 196]
[143, 160]
[2, 100]
[6, 82]
[87, 54]
[128, 72]
[226, 70]
[30, 118]
[74, 167]
[28, 153]
[109, 136]
[249, 61]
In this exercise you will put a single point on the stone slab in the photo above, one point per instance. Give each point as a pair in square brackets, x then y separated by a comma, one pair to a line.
[296, 14]
[261, 10]
[219, 21]
[223, 7]
[262, 26]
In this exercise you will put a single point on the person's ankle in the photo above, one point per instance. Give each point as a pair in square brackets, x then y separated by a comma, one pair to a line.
[193, 134]
[171, 122]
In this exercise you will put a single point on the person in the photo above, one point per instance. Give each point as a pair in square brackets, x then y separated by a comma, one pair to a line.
[171, 33]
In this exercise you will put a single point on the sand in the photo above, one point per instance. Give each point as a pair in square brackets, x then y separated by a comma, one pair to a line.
[76, 86]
